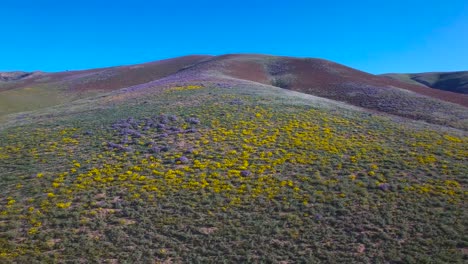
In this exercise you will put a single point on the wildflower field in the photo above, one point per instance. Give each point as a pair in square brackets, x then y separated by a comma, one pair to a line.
[202, 174]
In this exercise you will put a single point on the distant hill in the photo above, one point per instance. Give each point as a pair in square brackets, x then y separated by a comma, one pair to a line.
[456, 82]
[325, 79]
[20, 91]
[16, 76]
[110, 78]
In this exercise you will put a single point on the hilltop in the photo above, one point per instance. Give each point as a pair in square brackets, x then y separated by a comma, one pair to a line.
[318, 77]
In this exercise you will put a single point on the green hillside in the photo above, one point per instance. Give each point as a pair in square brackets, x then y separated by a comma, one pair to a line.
[229, 173]
[456, 82]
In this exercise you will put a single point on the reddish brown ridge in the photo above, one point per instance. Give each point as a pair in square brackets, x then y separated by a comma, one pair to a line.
[314, 76]
[111, 78]
[311, 74]
[321, 77]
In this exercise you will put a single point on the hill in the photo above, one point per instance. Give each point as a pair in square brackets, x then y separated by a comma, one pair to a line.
[312, 76]
[456, 82]
[21, 91]
[327, 80]
[215, 162]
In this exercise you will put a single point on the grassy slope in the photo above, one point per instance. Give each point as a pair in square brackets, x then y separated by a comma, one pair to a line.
[28, 99]
[313, 76]
[50, 89]
[337, 82]
[403, 77]
[448, 81]
[36, 97]
[271, 175]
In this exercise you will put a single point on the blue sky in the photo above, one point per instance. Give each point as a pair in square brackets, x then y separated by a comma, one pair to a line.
[374, 36]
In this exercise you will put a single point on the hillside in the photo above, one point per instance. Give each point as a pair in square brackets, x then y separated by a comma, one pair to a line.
[235, 159]
[21, 91]
[456, 82]
[327, 80]
[312, 76]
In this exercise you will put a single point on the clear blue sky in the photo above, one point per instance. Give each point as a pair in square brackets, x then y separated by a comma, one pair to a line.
[374, 36]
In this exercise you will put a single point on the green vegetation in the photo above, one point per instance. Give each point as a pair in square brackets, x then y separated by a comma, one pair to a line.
[202, 174]
[27, 99]
[35, 97]
[456, 82]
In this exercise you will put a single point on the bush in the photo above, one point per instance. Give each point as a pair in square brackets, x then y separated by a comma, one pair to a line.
[284, 81]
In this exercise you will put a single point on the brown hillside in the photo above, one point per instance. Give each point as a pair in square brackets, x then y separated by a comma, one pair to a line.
[320, 77]
[329, 80]
[312, 76]
[111, 78]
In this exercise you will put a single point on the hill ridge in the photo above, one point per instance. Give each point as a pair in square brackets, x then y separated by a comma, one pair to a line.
[314, 76]
[455, 82]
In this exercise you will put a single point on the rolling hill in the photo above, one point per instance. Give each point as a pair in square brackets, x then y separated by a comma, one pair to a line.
[333, 81]
[231, 159]
[456, 82]
[30, 91]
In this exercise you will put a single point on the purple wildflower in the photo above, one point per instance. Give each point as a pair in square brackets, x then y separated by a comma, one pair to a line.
[384, 187]
[182, 160]
[245, 173]
[191, 130]
[193, 120]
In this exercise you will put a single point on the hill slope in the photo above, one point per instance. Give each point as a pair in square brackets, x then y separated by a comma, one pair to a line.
[20, 91]
[456, 82]
[328, 80]
[219, 169]
[210, 163]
